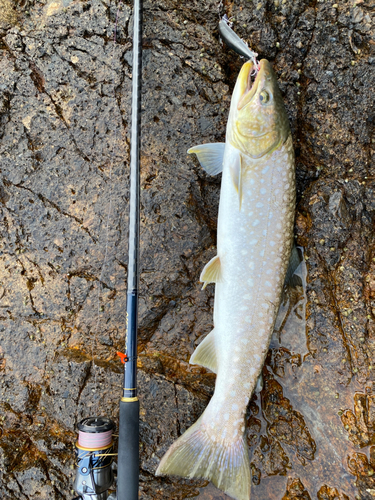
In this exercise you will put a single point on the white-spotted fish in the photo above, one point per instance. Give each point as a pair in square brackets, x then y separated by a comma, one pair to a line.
[254, 242]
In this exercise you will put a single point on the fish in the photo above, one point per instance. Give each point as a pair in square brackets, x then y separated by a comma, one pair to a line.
[254, 245]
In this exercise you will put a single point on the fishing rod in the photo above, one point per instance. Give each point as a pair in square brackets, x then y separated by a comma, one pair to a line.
[128, 444]
[94, 448]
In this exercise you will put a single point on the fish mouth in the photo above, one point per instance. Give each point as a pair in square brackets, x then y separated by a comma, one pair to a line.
[249, 87]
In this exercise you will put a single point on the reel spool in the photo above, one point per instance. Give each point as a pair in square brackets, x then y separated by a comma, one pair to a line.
[94, 453]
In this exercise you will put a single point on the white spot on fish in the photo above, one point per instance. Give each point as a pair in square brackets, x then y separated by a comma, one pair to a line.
[234, 406]
[272, 243]
[267, 283]
[251, 265]
[265, 170]
[256, 222]
[259, 205]
[248, 320]
[243, 252]
[254, 241]
[250, 282]
[263, 191]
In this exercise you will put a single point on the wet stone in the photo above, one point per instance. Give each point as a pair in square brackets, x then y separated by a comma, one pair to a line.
[327, 493]
[64, 149]
[295, 489]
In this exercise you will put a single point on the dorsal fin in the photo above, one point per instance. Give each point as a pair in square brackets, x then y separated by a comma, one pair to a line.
[295, 260]
[210, 156]
[205, 353]
[211, 272]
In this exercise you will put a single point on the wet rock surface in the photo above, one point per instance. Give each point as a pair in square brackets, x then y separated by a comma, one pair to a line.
[64, 153]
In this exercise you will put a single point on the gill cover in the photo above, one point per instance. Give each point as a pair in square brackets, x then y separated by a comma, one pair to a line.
[259, 123]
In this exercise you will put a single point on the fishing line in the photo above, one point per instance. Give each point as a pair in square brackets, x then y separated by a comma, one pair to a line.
[108, 218]
[96, 440]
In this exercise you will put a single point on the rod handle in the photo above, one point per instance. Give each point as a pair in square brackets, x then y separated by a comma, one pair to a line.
[128, 451]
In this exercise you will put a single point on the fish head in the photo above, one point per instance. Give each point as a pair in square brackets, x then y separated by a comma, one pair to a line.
[258, 122]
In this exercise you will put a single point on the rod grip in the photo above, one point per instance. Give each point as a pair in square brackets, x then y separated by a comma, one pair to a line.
[128, 451]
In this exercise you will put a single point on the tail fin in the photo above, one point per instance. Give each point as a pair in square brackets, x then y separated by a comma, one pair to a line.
[197, 454]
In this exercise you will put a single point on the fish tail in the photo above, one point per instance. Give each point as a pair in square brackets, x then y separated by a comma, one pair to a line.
[198, 454]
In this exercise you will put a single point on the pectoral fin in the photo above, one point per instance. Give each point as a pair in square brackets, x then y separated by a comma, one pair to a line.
[211, 272]
[205, 353]
[236, 174]
[210, 156]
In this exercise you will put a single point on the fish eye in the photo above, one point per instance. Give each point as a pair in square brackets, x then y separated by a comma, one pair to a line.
[264, 97]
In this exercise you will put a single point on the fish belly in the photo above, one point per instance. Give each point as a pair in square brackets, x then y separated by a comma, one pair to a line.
[254, 244]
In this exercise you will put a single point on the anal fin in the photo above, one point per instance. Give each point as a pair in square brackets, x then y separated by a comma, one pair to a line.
[205, 353]
[211, 272]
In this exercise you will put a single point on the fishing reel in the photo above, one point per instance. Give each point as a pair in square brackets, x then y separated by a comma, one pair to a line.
[94, 457]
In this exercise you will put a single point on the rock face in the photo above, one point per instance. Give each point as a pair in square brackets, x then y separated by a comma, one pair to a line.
[64, 135]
